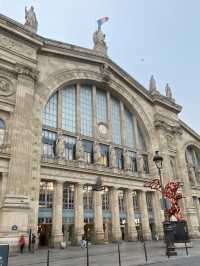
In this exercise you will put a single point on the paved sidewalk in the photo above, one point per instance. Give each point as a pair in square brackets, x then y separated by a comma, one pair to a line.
[132, 254]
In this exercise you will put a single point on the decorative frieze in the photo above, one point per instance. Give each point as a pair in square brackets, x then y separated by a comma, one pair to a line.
[170, 126]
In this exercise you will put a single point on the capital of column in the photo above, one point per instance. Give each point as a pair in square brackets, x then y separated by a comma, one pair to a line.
[27, 71]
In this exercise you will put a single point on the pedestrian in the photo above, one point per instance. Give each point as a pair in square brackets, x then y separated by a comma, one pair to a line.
[33, 240]
[83, 243]
[22, 243]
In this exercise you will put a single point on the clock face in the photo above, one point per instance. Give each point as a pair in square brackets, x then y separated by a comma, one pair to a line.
[102, 129]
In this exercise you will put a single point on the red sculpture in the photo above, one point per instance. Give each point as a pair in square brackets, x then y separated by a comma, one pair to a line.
[169, 192]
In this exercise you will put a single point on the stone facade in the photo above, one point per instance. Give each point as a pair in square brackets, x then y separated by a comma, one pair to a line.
[32, 69]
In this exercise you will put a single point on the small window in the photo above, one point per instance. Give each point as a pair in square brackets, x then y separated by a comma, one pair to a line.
[104, 155]
[2, 131]
[119, 157]
[133, 161]
[70, 147]
[145, 163]
[88, 151]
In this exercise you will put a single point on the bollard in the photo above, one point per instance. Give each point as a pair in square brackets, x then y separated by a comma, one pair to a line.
[145, 251]
[48, 257]
[87, 253]
[119, 254]
[186, 248]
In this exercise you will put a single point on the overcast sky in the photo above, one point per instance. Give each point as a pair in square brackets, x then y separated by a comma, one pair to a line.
[145, 37]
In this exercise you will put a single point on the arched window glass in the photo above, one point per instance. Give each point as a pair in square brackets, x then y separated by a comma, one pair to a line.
[141, 138]
[50, 112]
[129, 129]
[69, 109]
[116, 129]
[86, 110]
[101, 106]
[2, 131]
[193, 164]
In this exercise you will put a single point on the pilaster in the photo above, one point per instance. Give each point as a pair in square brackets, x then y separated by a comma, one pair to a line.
[98, 218]
[57, 234]
[78, 213]
[144, 215]
[131, 229]
[158, 214]
[114, 204]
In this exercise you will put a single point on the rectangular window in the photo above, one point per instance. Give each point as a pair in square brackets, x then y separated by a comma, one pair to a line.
[145, 163]
[119, 158]
[70, 147]
[133, 161]
[104, 155]
[46, 194]
[68, 196]
[101, 106]
[149, 199]
[116, 129]
[86, 110]
[105, 201]
[129, 129]
[50, 112]
[87, 198]
[121, 201]
[135, 201]
[69, 109]
[48, 139]
[88, 151]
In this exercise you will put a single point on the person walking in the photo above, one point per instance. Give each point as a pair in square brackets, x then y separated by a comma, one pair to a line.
[22, 243]
[33, 240]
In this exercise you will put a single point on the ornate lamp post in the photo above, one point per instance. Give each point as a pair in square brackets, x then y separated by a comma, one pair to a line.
[168, 230]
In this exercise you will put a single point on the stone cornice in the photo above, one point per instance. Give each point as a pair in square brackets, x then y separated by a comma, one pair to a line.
[166, 102]
[189, 130]
[46, 45]
[19, 29]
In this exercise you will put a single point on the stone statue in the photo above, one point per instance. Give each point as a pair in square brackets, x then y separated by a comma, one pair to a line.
[79, 150]
[168, 91]
[99, 42]
[31, 20]
[127, 161]
[97, 153]
[60, 146]
[113, 157]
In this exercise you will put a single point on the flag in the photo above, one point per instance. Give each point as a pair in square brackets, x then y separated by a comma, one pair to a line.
[101, 21]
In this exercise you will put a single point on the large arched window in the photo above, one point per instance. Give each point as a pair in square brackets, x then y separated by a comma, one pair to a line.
[193, 164]
[92, 114]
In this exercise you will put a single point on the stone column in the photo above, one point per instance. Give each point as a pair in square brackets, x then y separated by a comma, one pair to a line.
[78, 213]
[98, 218]
[131, 229]
[144, 215]
[158, 214]
[15, 208]
[114, 204]
[57, 221]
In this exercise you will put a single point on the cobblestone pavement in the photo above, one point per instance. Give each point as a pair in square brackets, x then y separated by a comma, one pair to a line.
[132, 254]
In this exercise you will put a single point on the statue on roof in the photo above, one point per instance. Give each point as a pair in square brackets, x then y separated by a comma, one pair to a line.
[31, 22]
[99, 41]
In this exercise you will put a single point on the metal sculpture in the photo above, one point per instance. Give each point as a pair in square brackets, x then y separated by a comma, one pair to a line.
[170, 192]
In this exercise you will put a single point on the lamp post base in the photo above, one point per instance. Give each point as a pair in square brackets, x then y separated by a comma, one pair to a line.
[169, 239]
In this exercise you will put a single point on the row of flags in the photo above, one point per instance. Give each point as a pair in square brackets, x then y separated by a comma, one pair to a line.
[101, 21]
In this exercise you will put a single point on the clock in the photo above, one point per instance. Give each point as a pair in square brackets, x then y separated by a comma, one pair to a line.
[102, 129]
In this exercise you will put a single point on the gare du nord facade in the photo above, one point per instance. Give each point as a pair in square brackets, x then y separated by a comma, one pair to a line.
[69, 117]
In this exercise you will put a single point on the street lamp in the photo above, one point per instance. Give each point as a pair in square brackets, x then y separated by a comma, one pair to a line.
[168, 229]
